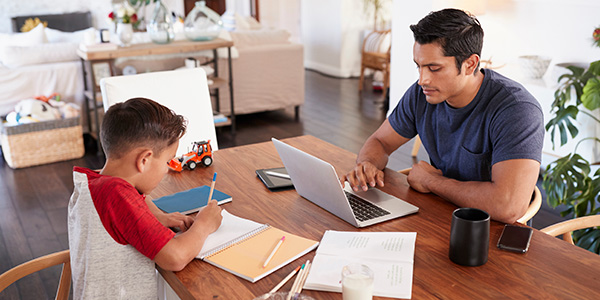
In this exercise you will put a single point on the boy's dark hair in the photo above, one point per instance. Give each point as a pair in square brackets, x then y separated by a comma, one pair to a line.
[459, 33]
[140, 122]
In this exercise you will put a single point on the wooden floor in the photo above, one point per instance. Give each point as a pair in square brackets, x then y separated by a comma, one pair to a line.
[33, 201]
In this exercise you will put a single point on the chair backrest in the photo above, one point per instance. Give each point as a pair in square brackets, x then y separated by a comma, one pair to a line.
[378, 41]
[566, 227]
[38, 264]
[534, 206]
[183, 91]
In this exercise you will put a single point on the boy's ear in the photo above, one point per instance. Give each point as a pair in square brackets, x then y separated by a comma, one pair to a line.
[143, 159]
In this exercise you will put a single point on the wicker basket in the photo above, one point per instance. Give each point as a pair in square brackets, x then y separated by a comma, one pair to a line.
[41, 143]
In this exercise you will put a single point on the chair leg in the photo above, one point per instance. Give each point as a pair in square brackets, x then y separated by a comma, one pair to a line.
[297, 113]
[362, 78]
[386, 82]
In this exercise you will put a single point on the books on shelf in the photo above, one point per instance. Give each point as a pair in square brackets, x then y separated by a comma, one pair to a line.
[241, 247]
[389, 254]
[98, 47]
[190, 201]
[218, 118]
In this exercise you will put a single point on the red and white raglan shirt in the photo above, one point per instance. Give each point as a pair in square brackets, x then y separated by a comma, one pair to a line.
[113, 239]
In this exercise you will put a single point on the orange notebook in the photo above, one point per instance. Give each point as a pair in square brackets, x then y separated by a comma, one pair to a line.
[241, 246]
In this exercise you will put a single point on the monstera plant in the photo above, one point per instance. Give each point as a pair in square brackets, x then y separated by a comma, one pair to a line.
[569, 181]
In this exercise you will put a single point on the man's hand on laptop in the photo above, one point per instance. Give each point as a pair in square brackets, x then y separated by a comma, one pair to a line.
[365, 174]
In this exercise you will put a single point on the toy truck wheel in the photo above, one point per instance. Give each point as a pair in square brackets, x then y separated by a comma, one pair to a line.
[191, 165]
[207, 161]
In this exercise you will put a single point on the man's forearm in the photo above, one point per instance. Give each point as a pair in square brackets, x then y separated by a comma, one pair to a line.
[485, 195]
[373, 152]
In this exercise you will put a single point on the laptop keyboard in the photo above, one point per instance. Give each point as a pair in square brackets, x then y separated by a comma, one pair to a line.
[364, 210]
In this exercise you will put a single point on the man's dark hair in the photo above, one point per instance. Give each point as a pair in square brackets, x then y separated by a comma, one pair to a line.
[459, 34]
[140, 122]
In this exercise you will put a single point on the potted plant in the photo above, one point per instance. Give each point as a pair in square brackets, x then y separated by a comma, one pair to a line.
[376, 9]
[569, 181]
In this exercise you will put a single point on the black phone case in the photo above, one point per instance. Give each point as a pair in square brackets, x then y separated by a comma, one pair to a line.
[515, 238]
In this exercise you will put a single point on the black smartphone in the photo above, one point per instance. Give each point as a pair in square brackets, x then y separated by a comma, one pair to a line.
[515, 238]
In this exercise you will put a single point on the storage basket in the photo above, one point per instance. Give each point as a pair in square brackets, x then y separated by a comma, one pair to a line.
[39, 143]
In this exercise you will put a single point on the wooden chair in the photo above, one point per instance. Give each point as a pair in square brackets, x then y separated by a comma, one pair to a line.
[534, 207]
[38, 264]
[376, 56]
[567, 227]
[534, 204]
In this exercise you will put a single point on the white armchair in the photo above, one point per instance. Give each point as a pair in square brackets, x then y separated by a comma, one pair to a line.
[183, 91]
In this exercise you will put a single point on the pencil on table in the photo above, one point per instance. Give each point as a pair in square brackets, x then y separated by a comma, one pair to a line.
[273, 252]
[278, 286]
[302, 279]
[289, 296]
[212, 186]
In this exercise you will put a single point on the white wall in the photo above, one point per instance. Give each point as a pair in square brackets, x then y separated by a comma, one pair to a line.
[332, 33]
[281, 14]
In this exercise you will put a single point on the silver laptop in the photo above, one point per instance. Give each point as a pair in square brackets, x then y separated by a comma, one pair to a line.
[317, 181]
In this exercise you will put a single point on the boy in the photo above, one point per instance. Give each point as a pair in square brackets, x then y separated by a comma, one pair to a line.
[116, 235]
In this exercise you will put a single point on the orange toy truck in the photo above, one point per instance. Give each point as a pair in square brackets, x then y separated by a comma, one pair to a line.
[201, 153]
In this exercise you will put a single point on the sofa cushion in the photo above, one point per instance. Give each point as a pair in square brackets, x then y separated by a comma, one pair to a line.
[17, 56]
[33, 37]
[250, 38]
[57, 36]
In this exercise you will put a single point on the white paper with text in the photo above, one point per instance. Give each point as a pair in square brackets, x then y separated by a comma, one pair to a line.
[389, 254]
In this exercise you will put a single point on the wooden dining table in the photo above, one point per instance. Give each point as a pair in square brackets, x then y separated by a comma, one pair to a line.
[551, 269]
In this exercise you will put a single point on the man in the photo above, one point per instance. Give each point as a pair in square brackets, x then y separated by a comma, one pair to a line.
[483, 132]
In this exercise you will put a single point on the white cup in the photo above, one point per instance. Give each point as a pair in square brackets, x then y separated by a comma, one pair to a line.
[357, 282]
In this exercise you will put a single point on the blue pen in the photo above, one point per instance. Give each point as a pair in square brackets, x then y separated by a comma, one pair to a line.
[212, 186]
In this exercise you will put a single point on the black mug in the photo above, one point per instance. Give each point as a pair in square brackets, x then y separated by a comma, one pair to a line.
[469, 237]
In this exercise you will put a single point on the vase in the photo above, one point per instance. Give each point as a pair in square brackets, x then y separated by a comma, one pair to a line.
[160, 25]
[125, 34]
[202, 23]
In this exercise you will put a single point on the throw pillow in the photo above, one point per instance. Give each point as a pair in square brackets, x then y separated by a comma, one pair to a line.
[17, 56]
[57, 36]
[33, 37]
[32, 23]
[253, 24]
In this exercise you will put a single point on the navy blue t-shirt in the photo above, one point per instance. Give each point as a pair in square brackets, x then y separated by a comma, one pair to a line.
[504, 121]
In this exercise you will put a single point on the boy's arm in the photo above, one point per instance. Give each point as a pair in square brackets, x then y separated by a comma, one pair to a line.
[180, 250]
[175, 219]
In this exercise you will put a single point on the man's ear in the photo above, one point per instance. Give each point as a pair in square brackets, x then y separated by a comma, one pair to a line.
[143, 159]
[471, 64]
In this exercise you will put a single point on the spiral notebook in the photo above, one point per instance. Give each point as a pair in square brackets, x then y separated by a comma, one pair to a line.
[241, 246]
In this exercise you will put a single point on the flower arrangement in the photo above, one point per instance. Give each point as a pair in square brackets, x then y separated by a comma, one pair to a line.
[124, 14]
[596, 36]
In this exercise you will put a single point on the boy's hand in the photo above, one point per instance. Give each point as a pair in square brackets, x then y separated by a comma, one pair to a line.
[176, 219]
[210, 216]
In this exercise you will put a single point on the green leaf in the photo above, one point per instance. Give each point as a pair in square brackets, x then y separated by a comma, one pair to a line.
[566, 180]
[591, 94]
[588, 239]
[562, 121]
[595, 68]
[577, 71]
